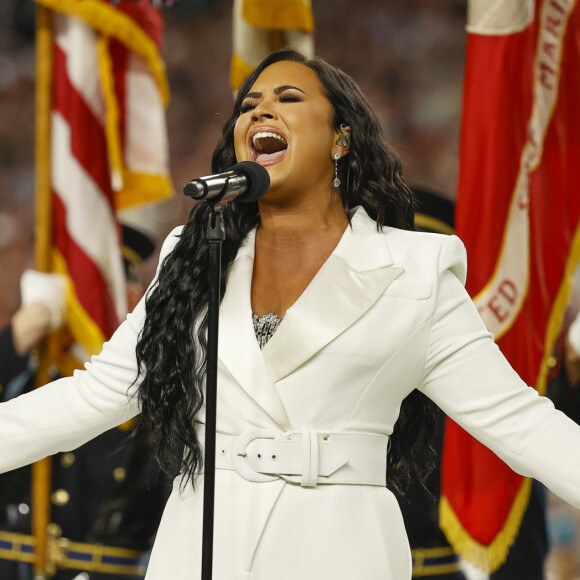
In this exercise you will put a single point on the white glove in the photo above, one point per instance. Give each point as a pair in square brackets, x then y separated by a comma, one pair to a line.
[574, 334]
[47, 289]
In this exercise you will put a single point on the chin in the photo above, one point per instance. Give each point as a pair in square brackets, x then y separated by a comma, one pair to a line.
[278, 175]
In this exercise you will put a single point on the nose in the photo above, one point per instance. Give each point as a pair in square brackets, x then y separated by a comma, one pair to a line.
[263, 110]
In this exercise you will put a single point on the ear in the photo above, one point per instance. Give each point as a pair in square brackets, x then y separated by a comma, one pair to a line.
[341, 143]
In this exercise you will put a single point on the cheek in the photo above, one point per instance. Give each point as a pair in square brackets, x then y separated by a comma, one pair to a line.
[240, 131]
[317, 138]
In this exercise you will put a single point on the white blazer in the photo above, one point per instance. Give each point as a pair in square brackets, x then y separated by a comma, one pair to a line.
[386, 313]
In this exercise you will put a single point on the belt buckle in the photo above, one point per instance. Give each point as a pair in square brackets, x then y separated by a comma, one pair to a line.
[239, 455]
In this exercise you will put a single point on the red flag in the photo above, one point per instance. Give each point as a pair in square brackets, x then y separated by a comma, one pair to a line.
[108, 148]
[517, 213]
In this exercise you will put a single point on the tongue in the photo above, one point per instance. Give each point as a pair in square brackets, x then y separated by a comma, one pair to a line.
[271, 157]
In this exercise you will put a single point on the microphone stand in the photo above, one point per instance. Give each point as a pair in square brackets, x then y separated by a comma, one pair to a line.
[215, 235]
[246, 174]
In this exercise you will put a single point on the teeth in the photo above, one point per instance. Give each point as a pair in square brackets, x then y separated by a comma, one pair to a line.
[264, 134]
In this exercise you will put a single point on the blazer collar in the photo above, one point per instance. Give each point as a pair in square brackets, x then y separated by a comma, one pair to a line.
[237, 346]
[352, 279]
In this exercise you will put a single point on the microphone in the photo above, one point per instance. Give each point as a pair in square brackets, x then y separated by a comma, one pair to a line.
[248, 181]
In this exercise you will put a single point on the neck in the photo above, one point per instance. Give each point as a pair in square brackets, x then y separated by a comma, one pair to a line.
[301, 225]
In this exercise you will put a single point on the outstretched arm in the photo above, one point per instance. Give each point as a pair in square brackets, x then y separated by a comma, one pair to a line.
[468, 377]
[69, 412]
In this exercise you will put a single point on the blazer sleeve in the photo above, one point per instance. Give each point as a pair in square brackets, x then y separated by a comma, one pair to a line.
[68, 412]
[467, 376]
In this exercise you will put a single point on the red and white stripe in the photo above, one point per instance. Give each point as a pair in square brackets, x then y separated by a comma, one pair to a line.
[86, 230]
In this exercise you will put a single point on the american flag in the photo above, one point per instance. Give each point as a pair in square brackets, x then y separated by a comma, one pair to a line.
[107, 93]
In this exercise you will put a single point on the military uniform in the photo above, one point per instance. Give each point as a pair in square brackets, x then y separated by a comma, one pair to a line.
[106, 493]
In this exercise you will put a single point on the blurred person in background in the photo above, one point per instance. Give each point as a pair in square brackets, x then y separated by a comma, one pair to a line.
[564, 391]
[564, 388]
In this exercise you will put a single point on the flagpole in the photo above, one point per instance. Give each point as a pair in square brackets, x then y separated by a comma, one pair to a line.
[41, 470]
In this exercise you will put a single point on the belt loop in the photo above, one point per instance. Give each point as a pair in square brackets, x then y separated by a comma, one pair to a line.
[309, 458]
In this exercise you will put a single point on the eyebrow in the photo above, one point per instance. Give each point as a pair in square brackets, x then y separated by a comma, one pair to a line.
[277, 91]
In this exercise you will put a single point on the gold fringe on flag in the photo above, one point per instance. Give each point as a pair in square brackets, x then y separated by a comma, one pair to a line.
[112, 111]
[556, 320]
[142, 188]
[487, 558]
[131, 187]
[81, 325]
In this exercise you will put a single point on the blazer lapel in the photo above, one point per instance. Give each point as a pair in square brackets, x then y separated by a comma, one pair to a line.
[238, 348]
[352, 279]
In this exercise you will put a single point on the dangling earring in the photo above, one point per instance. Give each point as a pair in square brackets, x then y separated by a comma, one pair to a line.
[336, 181]
[344, 139]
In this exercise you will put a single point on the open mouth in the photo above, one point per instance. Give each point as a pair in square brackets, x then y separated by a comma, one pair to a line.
[268, 147]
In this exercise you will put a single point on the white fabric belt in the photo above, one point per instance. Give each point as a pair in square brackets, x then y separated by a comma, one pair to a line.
[307, 457]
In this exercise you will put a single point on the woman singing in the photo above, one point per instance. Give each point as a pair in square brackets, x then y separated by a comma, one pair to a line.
[333, 313]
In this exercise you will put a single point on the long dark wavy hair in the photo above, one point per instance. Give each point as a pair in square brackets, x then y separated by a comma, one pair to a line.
[171, 349]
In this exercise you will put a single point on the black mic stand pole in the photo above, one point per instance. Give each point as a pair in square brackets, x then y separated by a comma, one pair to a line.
[215, 235]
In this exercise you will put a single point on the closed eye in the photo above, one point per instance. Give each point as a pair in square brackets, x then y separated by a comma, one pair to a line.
[247, 106]
[289, 98]
[283, 97]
